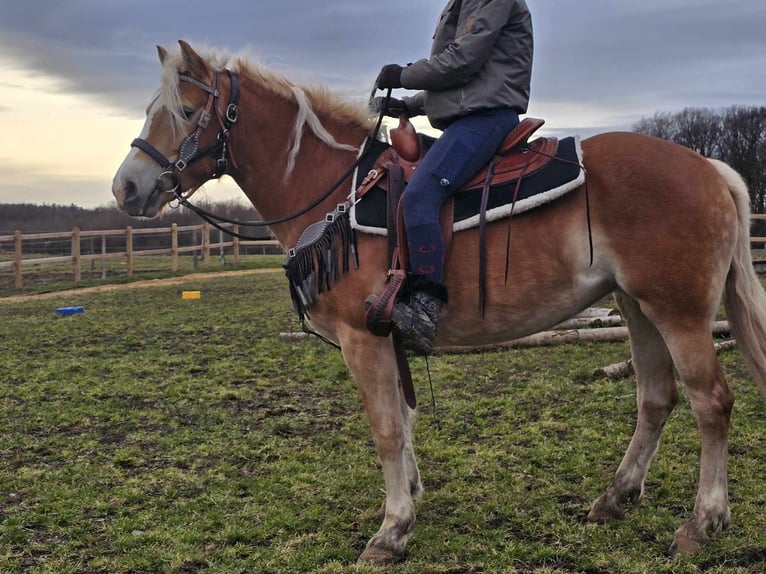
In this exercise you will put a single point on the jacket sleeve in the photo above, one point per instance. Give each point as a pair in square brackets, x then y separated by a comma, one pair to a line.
[415, 104]
[480, 23]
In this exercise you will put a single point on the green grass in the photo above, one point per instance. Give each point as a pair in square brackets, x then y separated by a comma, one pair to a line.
[152, 434]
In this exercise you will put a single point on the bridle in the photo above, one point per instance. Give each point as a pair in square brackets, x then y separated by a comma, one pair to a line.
[189, 152]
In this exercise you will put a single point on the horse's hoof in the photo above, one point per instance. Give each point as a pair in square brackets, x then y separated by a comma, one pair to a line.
[602, 511]
[684, 546]
[683, 543]
[379, 555]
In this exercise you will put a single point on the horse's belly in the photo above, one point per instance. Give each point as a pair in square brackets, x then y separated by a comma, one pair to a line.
[526, 309]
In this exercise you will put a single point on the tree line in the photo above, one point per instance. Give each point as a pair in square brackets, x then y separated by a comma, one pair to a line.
[735, 135]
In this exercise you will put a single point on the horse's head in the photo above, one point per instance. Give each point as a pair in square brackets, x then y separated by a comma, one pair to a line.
[184, 141]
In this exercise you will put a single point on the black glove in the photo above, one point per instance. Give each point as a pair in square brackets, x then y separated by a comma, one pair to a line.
[393, 109]
[390, 77]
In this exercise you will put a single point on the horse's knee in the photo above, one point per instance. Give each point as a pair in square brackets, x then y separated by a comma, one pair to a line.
[656, 409]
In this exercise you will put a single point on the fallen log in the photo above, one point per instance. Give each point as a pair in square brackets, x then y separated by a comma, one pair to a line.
[547, 338]
[623, 369]
[597, 312]
[590, 322]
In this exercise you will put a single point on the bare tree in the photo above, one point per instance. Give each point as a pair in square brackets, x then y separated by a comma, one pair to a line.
[736, 135]
[699, 129]
[742, 145]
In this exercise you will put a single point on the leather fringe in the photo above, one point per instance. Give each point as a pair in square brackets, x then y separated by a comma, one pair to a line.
[322, 255]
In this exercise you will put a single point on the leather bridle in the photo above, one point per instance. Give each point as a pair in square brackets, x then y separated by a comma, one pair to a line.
[189, 152]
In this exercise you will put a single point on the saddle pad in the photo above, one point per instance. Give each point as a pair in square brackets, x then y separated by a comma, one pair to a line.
[546, 184]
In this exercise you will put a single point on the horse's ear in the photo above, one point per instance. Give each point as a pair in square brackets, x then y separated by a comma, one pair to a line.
[194, 63]
[163, 53]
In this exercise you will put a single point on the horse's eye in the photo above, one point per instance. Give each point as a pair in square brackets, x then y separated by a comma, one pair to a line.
[187, 112]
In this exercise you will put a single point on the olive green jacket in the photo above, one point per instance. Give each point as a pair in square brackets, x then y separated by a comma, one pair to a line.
[481, 58]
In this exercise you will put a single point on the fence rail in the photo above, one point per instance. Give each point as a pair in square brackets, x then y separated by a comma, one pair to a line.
[200, 244]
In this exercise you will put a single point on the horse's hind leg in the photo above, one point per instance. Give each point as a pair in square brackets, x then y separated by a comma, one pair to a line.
[656, 396]
[711, 402]
[373, 366]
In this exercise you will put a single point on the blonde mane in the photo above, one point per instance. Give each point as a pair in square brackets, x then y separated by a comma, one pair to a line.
[311, 101]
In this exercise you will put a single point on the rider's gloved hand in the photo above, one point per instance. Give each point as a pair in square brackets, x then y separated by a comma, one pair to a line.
[393, 108]
[390, 76]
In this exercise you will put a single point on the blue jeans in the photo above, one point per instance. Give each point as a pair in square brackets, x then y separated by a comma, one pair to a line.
[463, 149]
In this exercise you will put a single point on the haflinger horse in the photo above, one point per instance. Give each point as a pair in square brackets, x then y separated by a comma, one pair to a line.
[670, 238]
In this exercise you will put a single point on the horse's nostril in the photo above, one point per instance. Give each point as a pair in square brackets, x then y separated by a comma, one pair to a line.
[132, 202]
[131, 190]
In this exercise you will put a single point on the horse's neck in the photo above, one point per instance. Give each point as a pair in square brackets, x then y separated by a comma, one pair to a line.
[260, 146]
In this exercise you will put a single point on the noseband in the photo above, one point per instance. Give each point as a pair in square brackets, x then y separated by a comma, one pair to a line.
[189, 151]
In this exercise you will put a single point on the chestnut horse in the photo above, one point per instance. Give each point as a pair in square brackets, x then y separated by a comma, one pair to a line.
[670, 233]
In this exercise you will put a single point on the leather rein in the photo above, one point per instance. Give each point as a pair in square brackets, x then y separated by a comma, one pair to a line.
[190, 153]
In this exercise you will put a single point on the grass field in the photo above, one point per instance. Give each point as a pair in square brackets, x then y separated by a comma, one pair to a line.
[152, 434]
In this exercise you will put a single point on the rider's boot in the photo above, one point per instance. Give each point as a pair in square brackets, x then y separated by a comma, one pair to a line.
[415, 317]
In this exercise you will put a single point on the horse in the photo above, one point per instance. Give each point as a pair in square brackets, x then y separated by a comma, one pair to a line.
[667, 234]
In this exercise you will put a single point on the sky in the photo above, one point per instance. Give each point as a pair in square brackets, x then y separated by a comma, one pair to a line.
[76, 75]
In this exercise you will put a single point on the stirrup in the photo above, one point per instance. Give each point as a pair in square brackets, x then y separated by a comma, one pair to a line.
[380, 308]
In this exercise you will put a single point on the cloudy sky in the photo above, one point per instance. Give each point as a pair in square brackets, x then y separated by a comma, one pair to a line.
[76, 75]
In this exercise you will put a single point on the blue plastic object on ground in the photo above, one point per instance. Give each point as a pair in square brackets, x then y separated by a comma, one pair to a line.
[66, 311]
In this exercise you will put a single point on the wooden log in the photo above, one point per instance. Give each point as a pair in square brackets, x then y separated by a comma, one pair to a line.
[623, 369]
[615, 371]
[547, 338]
[590, 322]
[597, 312]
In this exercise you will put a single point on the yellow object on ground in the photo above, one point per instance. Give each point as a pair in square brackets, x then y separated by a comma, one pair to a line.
[191, 294]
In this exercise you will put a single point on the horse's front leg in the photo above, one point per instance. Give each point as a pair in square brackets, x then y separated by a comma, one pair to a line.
[373, 366]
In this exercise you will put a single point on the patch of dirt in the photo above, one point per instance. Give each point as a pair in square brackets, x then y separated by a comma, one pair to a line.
[137, 284]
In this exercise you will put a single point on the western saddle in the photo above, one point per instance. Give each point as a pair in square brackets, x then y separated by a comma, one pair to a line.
[510, 163]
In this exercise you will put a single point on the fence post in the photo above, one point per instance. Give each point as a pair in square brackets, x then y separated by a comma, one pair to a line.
[195, 243]
[103, 257]
[129, 249]
[235, 243]
[206, 243]
[17, 259]
[174, 245]
[221, 248]
[76, 253]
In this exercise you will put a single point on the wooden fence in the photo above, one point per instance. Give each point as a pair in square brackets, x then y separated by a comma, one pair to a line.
[201, 245]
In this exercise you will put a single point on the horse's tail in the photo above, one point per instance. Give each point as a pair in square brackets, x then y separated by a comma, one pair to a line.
[744, 296]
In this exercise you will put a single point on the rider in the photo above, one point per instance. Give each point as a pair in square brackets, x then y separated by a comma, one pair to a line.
[474, 86]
